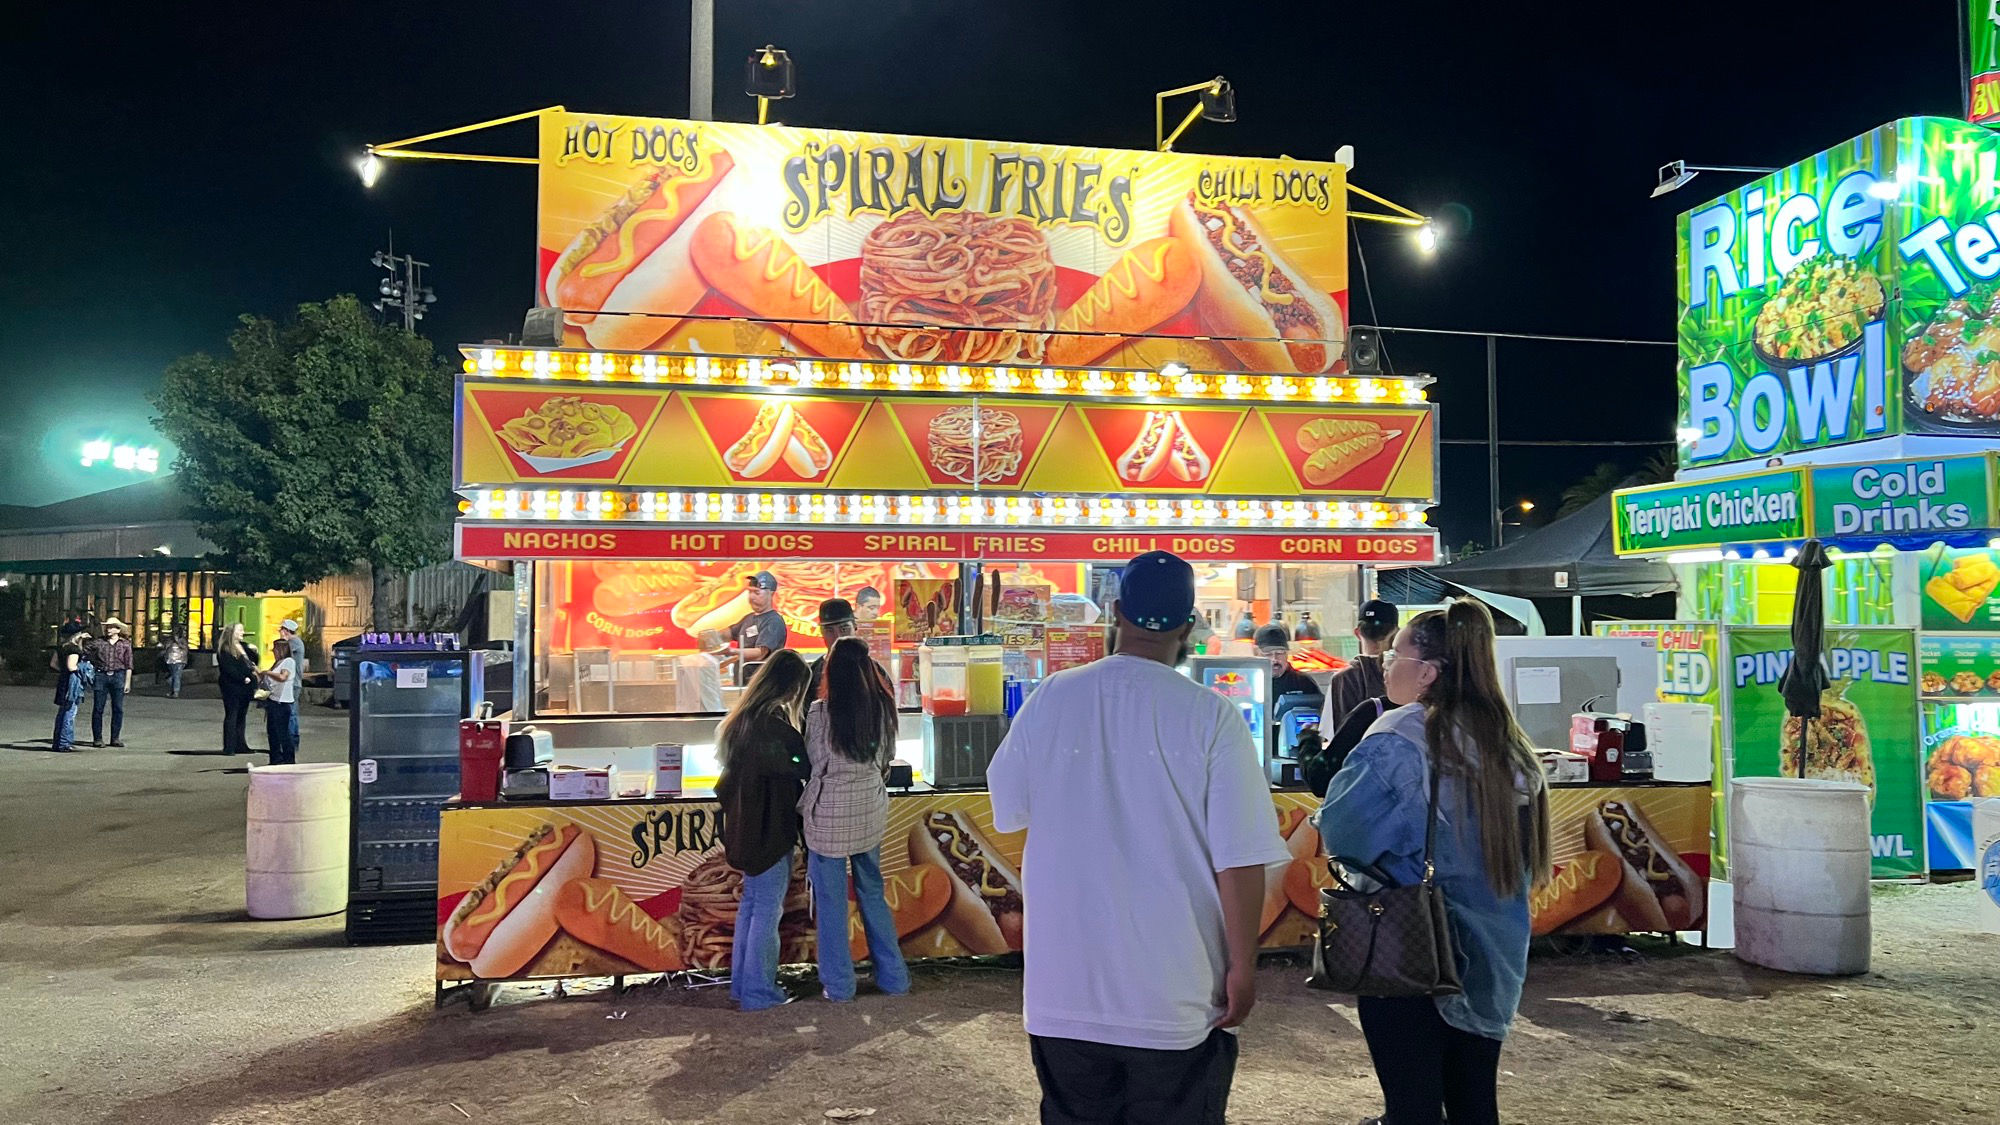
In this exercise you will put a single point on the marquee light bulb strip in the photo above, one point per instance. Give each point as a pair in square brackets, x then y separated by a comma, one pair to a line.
[875, 509]
[837, 375]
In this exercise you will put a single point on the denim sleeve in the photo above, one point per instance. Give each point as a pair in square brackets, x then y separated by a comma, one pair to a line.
[1366, 816]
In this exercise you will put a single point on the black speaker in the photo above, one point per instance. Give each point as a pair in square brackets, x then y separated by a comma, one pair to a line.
[542, 328]
[1364, 352]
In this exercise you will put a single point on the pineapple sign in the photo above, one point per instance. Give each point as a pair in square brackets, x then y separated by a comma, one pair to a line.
[1866, 732]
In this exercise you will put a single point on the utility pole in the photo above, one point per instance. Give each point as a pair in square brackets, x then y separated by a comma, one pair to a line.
[403, 288]
[701, 60]
[1493, 435]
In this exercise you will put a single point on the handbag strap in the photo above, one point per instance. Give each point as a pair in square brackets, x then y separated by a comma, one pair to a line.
[1431, 821]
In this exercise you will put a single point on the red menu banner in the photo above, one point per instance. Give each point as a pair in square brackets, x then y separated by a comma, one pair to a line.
[638, 541]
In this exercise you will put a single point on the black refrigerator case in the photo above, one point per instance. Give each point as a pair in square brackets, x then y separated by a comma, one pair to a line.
[403, 763]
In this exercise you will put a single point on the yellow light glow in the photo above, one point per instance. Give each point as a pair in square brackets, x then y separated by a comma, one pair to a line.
[708, 370]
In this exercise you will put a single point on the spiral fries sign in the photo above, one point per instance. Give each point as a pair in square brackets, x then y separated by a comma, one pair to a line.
[737, 239]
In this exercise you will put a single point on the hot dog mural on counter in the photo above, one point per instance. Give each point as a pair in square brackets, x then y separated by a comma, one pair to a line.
[632, 887]
[516, 432]
[733, 239]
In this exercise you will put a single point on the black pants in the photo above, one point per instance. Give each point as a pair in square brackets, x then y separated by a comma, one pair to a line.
[235, 710]
[1087, 1083]
[1429, 1070]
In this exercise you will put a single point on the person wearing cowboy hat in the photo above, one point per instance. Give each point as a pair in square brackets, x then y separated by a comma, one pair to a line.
[113, 657]
[288, 631]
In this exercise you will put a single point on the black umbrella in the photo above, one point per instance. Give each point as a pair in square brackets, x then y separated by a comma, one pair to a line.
[1805, 678]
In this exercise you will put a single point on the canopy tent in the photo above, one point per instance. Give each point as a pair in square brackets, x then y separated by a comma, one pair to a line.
[1570, 557]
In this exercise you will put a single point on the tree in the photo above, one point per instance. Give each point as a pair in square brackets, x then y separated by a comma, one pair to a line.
[1608, 476]
[313, 446]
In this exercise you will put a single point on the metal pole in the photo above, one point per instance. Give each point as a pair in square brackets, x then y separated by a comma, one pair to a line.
[1493, 433]
[701, 60]
[410, 297]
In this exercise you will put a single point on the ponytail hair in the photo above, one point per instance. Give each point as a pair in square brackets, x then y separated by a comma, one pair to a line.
[1473, 737]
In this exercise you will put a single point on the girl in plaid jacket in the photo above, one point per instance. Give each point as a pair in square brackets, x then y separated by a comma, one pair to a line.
[850, 738]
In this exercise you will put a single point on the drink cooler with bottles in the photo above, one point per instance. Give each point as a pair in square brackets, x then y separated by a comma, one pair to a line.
[403, 765]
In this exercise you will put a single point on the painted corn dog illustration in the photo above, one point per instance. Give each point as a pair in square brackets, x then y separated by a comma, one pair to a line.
[1338, 446]
[761, 272]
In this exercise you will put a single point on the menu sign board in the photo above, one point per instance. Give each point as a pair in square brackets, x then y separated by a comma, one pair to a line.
[739, 239]
[1866, 732]
[1680, 517]
[513, 432]
[1844, 298]
[1960, 590]
[1940, 496]
[636, 540]
[1983, 99]
[1784, 340]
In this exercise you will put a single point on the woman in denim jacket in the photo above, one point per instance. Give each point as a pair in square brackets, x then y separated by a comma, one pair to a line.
[1438, 1058]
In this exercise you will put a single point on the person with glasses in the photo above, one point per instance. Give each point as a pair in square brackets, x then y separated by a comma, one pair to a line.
[1438, 1058]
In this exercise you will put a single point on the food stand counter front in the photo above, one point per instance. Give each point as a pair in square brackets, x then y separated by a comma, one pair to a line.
[622, 888]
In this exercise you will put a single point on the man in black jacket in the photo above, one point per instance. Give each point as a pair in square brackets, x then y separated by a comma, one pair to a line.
[1362, 678]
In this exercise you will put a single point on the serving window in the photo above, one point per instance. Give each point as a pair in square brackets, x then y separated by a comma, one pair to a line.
[649, 637]
[644, 638]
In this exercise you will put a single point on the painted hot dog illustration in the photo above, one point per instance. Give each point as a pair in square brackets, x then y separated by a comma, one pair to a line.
[1164, 444]
[1271, 317]
[504, 921]
[779, 432]
[1659, 892]
[985, 913]
[630, 260]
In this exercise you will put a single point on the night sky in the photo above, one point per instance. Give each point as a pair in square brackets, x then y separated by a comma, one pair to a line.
[174, 167]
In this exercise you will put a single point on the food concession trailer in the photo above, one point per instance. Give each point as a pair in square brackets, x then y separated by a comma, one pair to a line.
[961, 381]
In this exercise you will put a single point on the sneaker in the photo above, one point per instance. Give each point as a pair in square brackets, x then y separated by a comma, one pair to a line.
[832, 999]
[96, 742]
[116, 742]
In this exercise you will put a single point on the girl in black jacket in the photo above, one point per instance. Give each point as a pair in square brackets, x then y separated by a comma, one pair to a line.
[764, 771]
[236, 675]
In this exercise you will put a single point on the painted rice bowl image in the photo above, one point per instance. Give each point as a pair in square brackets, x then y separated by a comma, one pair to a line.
[1818, 310]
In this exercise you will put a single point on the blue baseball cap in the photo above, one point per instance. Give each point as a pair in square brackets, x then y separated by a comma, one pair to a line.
[1156, 592]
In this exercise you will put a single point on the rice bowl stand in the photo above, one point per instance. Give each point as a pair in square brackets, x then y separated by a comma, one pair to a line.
[1835, 384]
[964, 379]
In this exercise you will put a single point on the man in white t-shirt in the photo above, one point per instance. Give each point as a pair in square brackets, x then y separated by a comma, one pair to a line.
[1150, 826]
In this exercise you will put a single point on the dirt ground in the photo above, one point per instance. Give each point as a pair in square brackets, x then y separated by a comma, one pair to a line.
[135, 991]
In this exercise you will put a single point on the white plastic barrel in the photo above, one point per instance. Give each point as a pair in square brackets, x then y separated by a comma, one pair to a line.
[295, 845]
[1799, 867]
[1986, 861]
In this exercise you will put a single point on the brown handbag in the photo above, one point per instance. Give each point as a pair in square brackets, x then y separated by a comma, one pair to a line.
[1392, 941]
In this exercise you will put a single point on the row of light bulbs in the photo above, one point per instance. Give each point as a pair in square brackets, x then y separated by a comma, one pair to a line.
[1174, 380]
[1194, 513]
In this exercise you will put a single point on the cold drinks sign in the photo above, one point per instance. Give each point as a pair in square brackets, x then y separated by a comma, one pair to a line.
[1916, 498]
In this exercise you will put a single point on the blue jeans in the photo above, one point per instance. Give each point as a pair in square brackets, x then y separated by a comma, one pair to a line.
[278, 720]
[174, 679]
[753, 955]
[65, 736]
[836, 960]
[109, 686]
